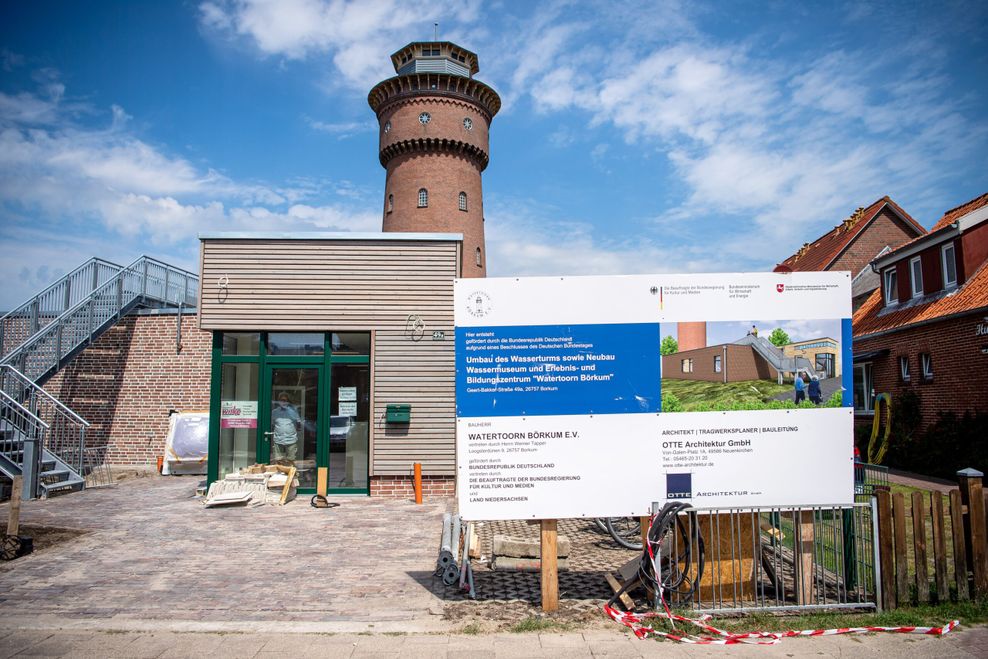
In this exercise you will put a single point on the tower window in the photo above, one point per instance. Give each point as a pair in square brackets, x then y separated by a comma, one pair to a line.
[391, 202]
[425, 117]
[423, 198]
[480, 262]
[463, 201]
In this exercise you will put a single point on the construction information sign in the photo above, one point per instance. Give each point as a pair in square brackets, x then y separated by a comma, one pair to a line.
[570, 404]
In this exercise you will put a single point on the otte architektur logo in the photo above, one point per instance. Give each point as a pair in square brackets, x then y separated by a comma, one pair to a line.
[479, 304]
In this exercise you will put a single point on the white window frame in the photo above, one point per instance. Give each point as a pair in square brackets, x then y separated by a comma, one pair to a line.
[926, 364]
[890, 277]
[686, 365]
[423, 198]
[904, 368]
[917, 291]
[867, 404]
[717, 364]
[391, 202]
[943, 264]
[462, 201]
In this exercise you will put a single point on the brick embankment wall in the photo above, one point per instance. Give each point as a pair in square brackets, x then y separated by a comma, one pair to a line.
[125, 383]
[403, 487]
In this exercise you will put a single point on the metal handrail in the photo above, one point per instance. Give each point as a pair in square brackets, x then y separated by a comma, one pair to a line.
[57, 297]
[29, 384]
[23, 410]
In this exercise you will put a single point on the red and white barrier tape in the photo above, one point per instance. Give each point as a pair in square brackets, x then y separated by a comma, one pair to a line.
[714, 636]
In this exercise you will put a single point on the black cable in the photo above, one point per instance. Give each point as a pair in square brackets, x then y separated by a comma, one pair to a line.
[675, 571]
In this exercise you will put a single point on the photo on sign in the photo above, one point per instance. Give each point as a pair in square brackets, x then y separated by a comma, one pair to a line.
[752, 365]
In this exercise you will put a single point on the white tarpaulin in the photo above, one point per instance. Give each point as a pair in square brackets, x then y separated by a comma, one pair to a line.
[560, 396]
[187, 444]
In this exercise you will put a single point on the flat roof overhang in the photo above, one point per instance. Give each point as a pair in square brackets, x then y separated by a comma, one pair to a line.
[330, 235]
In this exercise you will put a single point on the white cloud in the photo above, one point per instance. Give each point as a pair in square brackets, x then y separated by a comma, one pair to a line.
[343, 129]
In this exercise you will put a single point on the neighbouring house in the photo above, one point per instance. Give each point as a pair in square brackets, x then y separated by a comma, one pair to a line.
[852, 244]
[925, 329]
[748, 358]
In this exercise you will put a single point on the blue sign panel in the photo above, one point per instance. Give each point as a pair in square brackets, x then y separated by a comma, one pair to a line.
[557, 370]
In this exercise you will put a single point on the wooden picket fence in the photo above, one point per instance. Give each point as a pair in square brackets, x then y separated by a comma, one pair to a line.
[933, 549]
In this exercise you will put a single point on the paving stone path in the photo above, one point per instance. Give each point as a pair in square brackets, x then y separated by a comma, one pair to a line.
[153, 553]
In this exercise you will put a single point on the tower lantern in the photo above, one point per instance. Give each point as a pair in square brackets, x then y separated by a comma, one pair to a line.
[434, 119]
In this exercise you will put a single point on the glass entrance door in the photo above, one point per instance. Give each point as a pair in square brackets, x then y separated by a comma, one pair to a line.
[292, 429]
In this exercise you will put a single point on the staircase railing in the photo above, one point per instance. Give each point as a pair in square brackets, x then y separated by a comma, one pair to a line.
[22, 442]
[65, 434]
[24, 321]
[144, 280]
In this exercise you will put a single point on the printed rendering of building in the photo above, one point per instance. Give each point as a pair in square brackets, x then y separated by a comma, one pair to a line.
[852, 244]
[748, 358]
[823, 353]
[926, 328]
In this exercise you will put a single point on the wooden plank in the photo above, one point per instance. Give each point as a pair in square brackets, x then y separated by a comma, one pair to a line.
[550, 573]
[960, 550]
[939, 547]
[322, 481]
[14, 514]
[901, 565]
[629, 604]
[972, 494]
[288, 486]
[804, 579]
[919, 547]
[643, 525]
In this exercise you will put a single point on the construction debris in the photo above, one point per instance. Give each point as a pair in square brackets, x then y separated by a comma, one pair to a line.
[255, 485]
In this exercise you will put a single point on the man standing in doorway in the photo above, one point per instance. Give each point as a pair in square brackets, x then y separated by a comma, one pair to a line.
[285, 423]
[800, 387]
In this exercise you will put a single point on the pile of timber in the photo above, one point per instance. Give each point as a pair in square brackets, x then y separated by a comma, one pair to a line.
[524, 554]
[255, 485]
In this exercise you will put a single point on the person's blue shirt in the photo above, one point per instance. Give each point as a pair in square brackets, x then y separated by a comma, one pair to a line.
[799, 383]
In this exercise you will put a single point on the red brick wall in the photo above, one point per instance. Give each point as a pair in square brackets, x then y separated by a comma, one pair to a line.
[691, 336]
[742, 364]
[885, 229]
[973, 251]
[959, 366]
[403, 487]
[125, 383]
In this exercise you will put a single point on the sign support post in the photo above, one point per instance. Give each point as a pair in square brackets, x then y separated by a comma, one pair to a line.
[549, 568]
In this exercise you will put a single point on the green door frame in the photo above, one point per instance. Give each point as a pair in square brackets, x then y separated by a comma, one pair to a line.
[265, 363]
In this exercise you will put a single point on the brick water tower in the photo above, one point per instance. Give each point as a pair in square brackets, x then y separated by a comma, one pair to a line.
[434, 120]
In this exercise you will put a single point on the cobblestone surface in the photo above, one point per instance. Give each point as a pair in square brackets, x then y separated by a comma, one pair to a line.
[153, 553]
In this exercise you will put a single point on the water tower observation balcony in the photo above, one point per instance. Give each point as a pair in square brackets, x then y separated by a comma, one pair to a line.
[435, 57]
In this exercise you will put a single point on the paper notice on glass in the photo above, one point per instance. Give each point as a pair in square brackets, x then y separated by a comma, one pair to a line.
[348, 393]
[348, 408]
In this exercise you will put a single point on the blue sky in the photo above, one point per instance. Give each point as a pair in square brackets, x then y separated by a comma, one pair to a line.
[634, 137]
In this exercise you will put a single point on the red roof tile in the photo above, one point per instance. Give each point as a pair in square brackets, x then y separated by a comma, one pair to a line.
[819, 254]
[948, 218]
[973, 294]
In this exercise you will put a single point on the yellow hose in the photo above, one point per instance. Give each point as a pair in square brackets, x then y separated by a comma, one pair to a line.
[877, 453]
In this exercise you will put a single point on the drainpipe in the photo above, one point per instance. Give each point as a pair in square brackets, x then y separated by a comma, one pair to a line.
[724, 363]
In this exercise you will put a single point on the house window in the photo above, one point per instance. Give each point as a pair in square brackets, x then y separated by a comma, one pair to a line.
[949, 264]
[463, 201]
[926, 362]
[480, 261]
[687, 365]
[916, 275]
[423, 198]
[391, 202]
[825, 364]
[864, 396]
[891, 287]
[904, 368]
[716, 363]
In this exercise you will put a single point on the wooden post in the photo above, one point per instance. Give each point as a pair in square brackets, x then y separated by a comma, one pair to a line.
[14, 520]
[418, 482]
[972, 496]
[550, 573]
[919, 547]
[805, 577]
[901, 565]
[960, 550]
[322, 481]
[643, 523]
[939, 547]
[885, 548]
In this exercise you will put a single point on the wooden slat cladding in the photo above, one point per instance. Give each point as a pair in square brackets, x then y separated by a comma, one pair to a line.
[323, 285]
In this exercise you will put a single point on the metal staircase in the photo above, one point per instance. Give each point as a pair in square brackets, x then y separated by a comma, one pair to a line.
[41, 439]
[775, 357]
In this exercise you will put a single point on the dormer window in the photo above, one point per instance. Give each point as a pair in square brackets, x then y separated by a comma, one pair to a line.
[916, 276]
[949, 264]
[891, 286]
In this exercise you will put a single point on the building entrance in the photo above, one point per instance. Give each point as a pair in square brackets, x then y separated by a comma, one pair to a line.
[299, 399]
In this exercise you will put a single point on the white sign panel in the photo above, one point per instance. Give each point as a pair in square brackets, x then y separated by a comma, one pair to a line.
[238, 414]
[348, 408]
[565, 407]
[348, 393]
